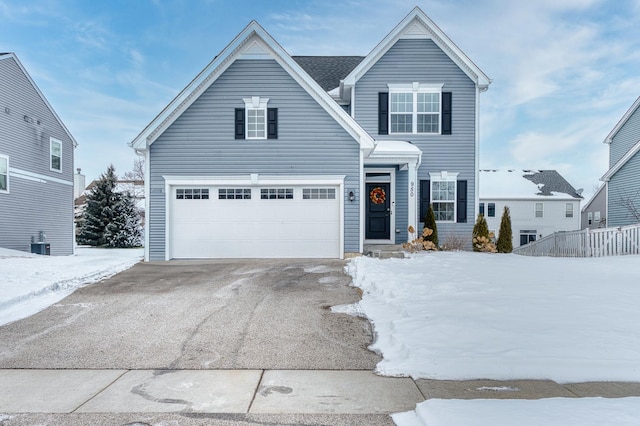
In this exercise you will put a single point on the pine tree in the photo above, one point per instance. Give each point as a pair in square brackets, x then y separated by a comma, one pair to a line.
[99, 212]
[430, 222]
[480, 234]
[505, 238]
[124, 230]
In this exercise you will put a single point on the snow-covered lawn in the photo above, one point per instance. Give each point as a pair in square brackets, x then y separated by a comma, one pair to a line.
[461, 315]
[30, 283]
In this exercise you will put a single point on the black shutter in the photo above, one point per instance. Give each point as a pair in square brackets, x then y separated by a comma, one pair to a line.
[239, 120]
[272, 123]
[425, 198]
[446, 113]
[461, 202]
[383, 113]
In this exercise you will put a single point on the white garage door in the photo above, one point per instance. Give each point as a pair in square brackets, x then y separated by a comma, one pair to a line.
[257, 222]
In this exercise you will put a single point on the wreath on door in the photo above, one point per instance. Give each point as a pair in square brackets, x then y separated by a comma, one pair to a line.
[377, 195]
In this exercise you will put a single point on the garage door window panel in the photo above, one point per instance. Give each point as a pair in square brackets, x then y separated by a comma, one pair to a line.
[276, 193]
[318, 194]
[192, 194]
[234, 193]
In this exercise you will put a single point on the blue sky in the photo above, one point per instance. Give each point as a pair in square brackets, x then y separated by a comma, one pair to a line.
[564, 72]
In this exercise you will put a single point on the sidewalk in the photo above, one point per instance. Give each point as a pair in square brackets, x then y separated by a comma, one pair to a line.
[318, 392]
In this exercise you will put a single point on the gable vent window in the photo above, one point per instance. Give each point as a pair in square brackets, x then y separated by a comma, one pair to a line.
[414, 109]
[256, 120]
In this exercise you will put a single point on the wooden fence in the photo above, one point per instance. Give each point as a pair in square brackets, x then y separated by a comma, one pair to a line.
[586, 243]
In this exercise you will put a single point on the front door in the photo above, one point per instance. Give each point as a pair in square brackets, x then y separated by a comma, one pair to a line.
[378, 212]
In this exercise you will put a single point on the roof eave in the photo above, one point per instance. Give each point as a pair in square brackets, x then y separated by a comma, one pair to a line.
[622, 122]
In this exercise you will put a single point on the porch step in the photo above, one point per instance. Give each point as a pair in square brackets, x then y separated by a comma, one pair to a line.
[384, 251]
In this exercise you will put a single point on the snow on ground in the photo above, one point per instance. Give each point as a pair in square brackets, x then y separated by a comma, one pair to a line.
[29, 283]
[462, 315]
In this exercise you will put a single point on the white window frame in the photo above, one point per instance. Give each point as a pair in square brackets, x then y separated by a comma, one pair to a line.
[255, 104]
[6, 159]
[444, 176]
[589, 218]
[414, 89]
[596, 217]
[541, 210]
[53, 142]
[568, 210]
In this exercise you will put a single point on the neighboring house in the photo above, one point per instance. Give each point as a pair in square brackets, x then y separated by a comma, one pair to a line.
[36, 165]
[268, 155]
[540, 202]
[594, 211]
[622, 181]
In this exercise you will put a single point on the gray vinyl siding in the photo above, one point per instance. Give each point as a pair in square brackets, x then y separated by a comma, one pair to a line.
[31, 205]
[625, 139]
[419, 60]
[624, 185]
[597, 204]
[201, 142]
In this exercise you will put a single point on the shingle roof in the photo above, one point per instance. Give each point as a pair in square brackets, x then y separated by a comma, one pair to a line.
[524, 184]
[327, 71]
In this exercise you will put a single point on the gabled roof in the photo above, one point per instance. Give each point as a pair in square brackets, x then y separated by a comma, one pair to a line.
[621, 162]
[622, 121]
[4, 56]
[418, 25]
[525, 184]
[593, 197]
[252, 42]
[327, 71]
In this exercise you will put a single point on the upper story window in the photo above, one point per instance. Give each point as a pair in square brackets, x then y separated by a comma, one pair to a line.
[255, 120]
[590, 217]
[443, 195]
[481, 211]
[568, 210]
[539, 210]
[4, 173]
[56, 155]
[414, 108]
[491, 209]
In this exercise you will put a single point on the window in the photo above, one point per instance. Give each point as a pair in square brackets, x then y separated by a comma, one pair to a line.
[590, 217]
[568, 212]
[4, 173]
[234, 193]
[318, 194]
[491, 209]
[527, 236]
[276, 193]
[596, 216]
[56, 154]
[255, 120]
[539, 210]
[481, 209]
[414, 108]
[192, 194]
[443, 196]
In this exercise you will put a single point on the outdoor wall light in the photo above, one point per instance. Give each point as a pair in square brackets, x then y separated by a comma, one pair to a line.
[351, 196]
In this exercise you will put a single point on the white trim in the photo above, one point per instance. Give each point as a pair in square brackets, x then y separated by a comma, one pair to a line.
[621, 162]
[392, 201]
[445, 176]
[37, 177]
[622, 122]
[476, 182]
[415, 19]
[6, 191]
[362, 203]
[53, 112]
[415, 88]
[251, 180]
[221, 62]
[147, 202]
[535, 210]
[51, 142]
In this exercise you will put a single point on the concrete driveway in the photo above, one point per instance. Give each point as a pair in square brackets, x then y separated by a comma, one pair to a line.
[248, 314]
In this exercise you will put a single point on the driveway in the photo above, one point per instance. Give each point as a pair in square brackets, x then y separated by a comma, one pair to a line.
[247, 314]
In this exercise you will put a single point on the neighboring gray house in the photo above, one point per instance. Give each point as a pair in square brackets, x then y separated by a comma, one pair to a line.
[622, 181]
[595, 210]
[36, 165]
[268, 155]
[540, 202]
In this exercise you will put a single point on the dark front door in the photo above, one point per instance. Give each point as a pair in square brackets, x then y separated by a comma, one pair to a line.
[378, 212]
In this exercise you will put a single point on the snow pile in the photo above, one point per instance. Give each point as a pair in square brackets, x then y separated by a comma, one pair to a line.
[31, 282]
[462, 315]
[548, 412]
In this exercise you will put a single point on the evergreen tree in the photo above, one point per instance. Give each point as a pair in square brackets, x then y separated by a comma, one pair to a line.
[505, 238]
[480, 233]
[101, 202]
[430, 222]
[124, 230]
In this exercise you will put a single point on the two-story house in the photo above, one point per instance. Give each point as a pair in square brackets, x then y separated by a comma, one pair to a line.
[622, 180]
[36, 166]
[540, 203]
[268, 155]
